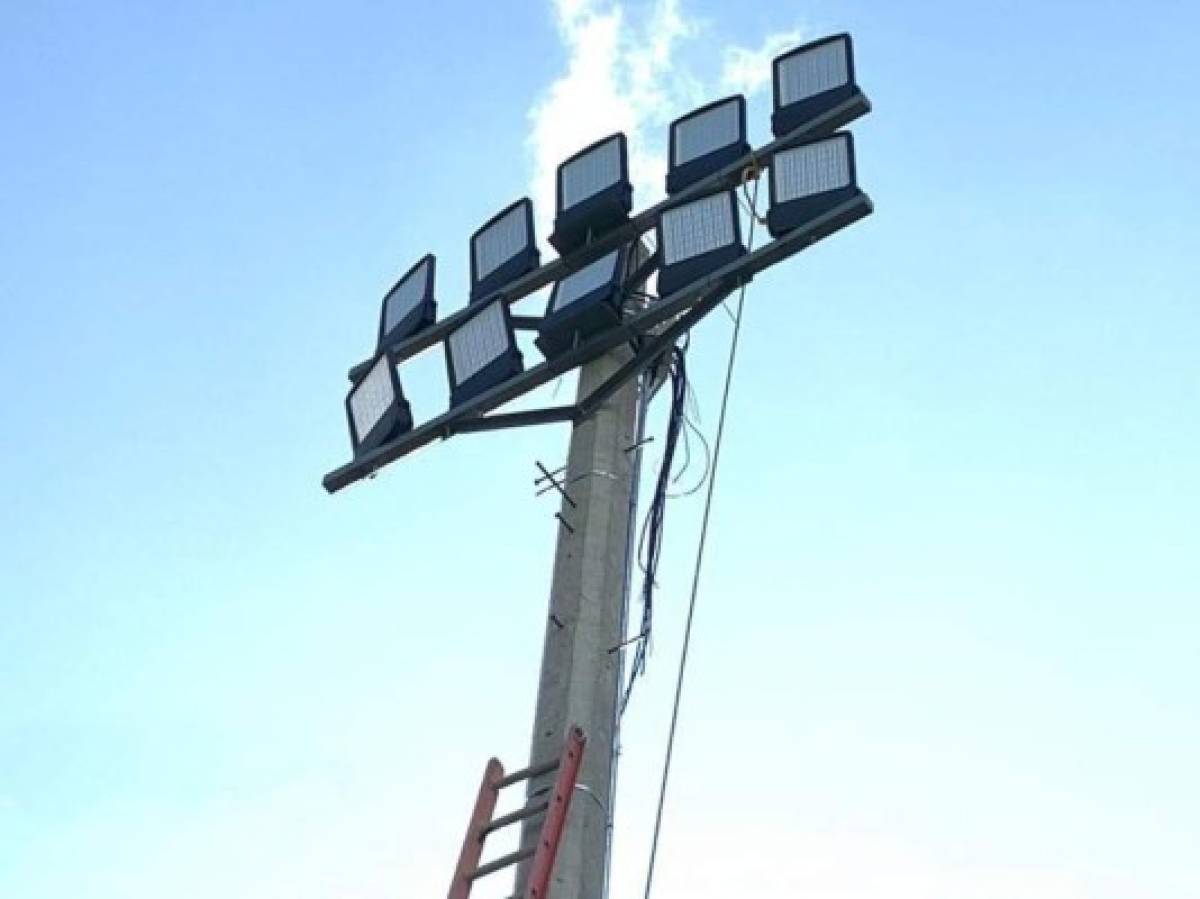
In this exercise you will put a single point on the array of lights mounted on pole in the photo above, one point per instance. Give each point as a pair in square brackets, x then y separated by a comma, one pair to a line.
[699, 258]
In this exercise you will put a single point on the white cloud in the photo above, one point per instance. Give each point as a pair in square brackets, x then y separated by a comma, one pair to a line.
[748, 71]
[624, 72]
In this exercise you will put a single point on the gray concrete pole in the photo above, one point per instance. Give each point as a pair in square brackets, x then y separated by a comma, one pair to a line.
[580, 678]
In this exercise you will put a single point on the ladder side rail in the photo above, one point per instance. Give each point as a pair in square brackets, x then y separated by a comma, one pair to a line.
[556, 817]
[472, 848]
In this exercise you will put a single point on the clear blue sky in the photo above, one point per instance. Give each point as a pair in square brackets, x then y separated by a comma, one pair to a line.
[948, 642]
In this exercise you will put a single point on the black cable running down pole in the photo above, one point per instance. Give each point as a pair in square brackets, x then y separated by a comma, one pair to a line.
[650, 543]
[687, 632]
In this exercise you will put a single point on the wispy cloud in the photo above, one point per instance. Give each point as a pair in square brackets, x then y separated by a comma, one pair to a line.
[622, 74]
[748, 71]
[625, 72]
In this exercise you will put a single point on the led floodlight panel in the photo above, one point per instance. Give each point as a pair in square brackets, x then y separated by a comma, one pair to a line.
[376, 408]
[503, 249]
[705, 141]
[809, 180]
[409, 307]
[594, 193]
[482, 352]
[582, 304]
[810, 80]
[697, 238]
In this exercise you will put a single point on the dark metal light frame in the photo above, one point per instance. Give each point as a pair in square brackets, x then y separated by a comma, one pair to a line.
[587, 314]
[786, 215]
[397, 420]
[522, 262]
[673, 276]
[420, 317]
[595, 214]
[787, 118]
[500, 369]
[685, 174]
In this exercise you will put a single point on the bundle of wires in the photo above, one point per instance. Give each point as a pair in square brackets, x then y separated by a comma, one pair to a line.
[650, 543]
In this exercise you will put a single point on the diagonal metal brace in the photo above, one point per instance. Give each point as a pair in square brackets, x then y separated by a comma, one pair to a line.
[651, 349]
[498, 421]
[666, 309]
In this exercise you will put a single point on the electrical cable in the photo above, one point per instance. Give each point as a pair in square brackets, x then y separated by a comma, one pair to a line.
[712, 482]
[691, 408]
[650, 540]
[679, 423]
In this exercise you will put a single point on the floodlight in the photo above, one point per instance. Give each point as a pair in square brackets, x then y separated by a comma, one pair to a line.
[594, 193]
[697, 238]
[810, 80]
[376, 408]
[482, 352]
[409, 307]
[705, 141]
[809, 180]
[503, 249]
[583, 303]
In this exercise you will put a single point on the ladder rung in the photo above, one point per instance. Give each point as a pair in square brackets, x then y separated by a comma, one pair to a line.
[527, 773]
[503, 862]
[519, 815]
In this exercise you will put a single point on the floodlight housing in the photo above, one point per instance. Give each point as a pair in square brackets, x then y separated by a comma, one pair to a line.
[376, 409]
[482, 352]
[810, 80]
[583, 303]
[696, 238]
[809, 180]
[409, 308]
[503, 249]
[594, 193]
[705, 141]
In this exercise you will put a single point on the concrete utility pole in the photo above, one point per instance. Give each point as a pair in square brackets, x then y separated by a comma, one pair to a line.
[580, 678]
[700, 257]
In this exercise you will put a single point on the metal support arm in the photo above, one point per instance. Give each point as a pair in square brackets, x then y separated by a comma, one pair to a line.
[852, 108]
[639, 325]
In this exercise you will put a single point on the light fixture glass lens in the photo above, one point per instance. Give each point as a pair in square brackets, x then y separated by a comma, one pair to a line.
[372, 397]
[481, 340]
[701, 134]
[502, 241]
[812, 169]
[405, 296]
[591, 173]
[587, 279]
[697, 227]
[816, 71]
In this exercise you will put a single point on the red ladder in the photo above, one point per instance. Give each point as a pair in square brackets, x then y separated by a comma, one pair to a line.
[554, 807]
